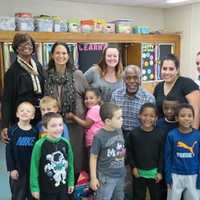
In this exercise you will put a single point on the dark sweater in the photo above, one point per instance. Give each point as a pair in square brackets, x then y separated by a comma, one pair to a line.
[18, 87]
[145, 149]
[19, 149]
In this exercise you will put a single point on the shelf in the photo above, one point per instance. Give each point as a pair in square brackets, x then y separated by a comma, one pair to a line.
[7, 36]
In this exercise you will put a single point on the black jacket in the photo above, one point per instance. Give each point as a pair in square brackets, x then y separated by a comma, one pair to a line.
[18, 87]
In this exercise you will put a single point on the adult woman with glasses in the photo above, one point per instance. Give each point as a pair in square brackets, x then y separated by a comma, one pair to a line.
[22, 82]
[184, 89]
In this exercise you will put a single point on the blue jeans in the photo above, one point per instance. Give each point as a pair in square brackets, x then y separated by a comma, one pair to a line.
[110, 188]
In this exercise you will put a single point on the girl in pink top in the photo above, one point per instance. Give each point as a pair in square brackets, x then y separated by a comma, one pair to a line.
[92, 121]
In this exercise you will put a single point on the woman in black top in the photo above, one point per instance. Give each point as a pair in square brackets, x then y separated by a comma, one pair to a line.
[185, 90]
[22, 82]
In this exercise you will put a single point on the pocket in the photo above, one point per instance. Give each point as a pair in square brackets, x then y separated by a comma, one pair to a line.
[102, 178]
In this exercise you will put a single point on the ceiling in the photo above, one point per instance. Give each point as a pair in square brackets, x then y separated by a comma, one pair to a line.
[145, 3]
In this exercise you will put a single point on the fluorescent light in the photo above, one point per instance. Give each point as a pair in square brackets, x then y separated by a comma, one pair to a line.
[175, 1]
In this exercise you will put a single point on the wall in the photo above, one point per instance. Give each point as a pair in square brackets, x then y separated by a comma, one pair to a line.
[184, 19]
[146, 16]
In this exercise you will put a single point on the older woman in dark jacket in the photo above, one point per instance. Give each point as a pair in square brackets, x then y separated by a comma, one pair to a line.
[22, 82]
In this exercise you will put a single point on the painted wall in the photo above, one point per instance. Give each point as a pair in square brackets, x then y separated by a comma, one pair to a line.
[144, 16]
[184, 19]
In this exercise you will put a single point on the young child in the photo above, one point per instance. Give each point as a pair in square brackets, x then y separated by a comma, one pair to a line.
[145, 154]
[18, 151]
[168, 122]
[107, 155]
[182, 160]
[49, 104]
[92, 121]
[52, 168]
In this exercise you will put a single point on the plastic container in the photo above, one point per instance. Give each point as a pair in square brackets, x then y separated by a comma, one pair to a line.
[74, 25]
[7, 23]
[87, 26]
[109, 28]
[99, 25]
[24, 24]
[123, 26]
[141, 29]
[44, 24]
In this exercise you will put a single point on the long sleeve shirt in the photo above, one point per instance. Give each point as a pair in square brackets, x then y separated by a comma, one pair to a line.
[145, 149]
[182, 154]
[19, 148]
[51, 165]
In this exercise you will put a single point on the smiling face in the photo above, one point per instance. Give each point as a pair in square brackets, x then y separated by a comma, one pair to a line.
[148, 118]
[25, 112]
[112, 57]
[55, 127]
[60, 55]
[91, 99]
[132, 81]
[25, 49]
[169, 71]
[185, 118]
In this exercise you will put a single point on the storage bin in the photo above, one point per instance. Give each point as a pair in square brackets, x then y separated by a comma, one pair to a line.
[123, 26]
[7, 23]
[109, 28]
[43, 25]
[24, 24]
[73, 25]
[87, 26]
[99, 25]
[141, 29]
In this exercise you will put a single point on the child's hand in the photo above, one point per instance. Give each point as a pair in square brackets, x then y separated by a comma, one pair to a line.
[36, 195]
[94, 184]
[169, 186]
[135, 172]
[69, 116]
[158, 177]
[70, 189]
[14, 174]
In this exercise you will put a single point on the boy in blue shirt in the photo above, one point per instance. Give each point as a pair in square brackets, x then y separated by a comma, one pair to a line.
[182, 160]
[18, 151]
[168, 122]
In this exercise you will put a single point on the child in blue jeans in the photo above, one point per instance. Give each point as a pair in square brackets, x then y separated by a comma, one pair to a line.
[182, 160]
[107, 154]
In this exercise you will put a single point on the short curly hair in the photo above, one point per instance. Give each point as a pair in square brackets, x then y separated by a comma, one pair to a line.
[21, 38]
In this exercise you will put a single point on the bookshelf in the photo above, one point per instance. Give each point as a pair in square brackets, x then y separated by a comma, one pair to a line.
[132, 42]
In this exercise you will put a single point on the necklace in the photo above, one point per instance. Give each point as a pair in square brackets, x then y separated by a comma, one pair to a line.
[168, 87]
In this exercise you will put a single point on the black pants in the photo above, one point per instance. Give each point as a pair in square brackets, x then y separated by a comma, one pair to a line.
[20, 188]
[141, 184]
[62, 195]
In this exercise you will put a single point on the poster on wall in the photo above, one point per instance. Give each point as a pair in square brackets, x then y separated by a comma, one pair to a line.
[89, 54]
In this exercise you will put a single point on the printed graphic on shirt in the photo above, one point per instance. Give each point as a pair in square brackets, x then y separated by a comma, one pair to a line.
[25, 141]
[186, 147]
[116, 150]
[56, 167]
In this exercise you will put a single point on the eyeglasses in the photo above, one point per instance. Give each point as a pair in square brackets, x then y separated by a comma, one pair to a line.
[25, 45]
[197, 63]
